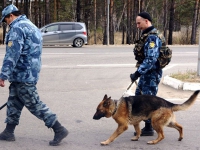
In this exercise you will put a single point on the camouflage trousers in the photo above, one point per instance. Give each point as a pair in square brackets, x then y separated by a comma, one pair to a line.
[148, 83]
[23, 94]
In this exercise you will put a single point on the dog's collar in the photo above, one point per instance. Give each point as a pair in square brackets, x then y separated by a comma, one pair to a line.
[115, 101]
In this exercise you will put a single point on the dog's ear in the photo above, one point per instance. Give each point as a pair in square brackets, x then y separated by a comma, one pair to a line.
[107, 102]
[105, 97]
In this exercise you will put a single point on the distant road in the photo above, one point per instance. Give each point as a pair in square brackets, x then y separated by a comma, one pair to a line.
[183, 58]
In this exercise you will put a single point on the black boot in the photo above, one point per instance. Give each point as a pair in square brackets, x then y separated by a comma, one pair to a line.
[8, 133]
[60, 133]
[147, 130]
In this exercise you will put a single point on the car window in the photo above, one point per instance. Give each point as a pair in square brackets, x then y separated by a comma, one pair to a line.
[78, 27]
[52, 28]
[66, 27]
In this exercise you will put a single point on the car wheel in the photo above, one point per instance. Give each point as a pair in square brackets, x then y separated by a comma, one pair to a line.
[78, 42]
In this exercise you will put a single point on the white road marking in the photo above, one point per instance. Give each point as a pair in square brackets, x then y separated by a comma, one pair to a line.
[130, 65]
[63, 53]
[169, 67]
[57, 67]
[114, 65]
[105, 65]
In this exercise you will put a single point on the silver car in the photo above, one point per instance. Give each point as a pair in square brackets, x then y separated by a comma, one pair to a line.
[64, 33]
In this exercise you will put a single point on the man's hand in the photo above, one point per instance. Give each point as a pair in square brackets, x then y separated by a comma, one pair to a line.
[135, 76]
[2, 84]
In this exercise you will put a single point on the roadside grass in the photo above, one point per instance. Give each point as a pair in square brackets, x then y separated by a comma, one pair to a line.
[187, 76]
[179, 38]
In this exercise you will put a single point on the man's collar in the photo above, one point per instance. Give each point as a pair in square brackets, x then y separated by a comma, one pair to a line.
[148, 29]
[14, 20]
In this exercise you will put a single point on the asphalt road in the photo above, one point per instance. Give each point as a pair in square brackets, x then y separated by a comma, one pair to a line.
[72, 83]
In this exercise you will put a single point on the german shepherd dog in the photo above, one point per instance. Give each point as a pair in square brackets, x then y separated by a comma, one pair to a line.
[134, 109]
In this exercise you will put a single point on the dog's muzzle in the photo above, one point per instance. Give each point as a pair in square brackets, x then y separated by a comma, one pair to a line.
[98, 116]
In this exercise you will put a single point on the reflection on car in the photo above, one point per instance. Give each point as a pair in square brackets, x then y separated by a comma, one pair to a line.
[64, 33]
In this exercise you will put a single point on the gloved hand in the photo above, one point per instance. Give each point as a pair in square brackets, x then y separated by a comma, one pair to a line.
[135, 76]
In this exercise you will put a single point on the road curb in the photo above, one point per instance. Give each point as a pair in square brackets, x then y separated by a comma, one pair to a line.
[177, 84]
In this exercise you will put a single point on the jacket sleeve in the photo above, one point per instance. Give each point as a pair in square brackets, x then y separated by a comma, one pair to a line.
[14, 45]
[151, 52]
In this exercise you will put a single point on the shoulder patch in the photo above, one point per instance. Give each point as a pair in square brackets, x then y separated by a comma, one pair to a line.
[152, 44]
[10, 43]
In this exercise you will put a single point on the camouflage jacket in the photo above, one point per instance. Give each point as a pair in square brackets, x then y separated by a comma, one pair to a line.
[22, 61]
[148, 58]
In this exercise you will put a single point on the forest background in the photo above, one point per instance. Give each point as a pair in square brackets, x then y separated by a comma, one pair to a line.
[178, 20]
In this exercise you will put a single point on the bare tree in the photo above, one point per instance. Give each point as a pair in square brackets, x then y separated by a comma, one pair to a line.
[171, 22]
[30, 10]
[39, 15]
[3, 24]
[128, 23]
[36, 12]
[105, 22]
[26, 2]
[21, 4]
[131, 21]
[111, 27]
[123, 21]
[16, 3]
[95, 22]
[78, 10]
[55, 11]
[165, 19]
[47, 12]
[195, 22]
[137, 8]
[87, 15]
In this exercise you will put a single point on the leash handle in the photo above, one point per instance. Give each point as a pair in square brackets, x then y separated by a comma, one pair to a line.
[3, 106]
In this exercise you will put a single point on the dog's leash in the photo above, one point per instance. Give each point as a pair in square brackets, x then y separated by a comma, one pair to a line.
[3, 106]
[130, 87]
[127, 89]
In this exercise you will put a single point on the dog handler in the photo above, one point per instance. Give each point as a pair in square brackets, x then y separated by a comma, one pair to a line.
[148, 68]
[21, 67]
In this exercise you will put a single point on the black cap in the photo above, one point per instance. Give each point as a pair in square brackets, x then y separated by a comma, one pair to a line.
[145, 15]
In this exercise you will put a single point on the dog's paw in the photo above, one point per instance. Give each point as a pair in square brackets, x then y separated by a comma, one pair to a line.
[151, 142]
[134, 139]
[105, 143]
[180, 138]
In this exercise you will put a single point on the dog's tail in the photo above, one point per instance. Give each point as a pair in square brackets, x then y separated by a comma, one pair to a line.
[187, 103]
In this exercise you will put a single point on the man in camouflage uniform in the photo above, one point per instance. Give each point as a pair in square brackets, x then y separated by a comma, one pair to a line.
[148, 68]
[21, 67]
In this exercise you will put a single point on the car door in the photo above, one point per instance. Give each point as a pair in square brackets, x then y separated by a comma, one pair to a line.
[67, 33]
[50, 34]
